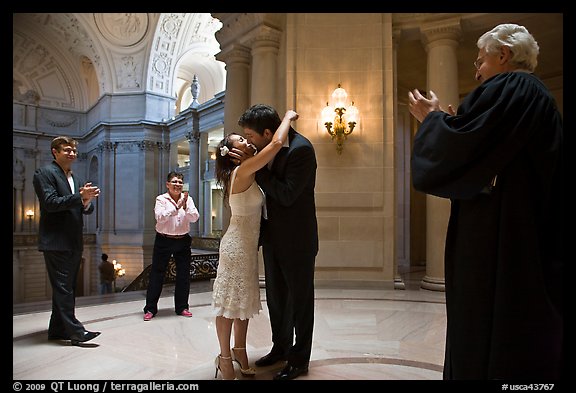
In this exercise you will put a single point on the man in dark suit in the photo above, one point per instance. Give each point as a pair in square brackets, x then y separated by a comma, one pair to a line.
[63, 202]
[289, 238]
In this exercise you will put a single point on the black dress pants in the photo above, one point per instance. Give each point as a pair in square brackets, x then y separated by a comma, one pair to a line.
[63, 267]
[290, 301]
[164, 248]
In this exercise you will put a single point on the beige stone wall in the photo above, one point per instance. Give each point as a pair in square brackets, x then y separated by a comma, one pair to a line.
[354, 190]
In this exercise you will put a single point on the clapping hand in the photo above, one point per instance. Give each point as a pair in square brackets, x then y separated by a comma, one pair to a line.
[88, 192]
[182, 201]
[420, 106]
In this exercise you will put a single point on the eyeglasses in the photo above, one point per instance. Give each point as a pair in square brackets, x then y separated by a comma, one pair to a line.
[479, 61]
[69, 150]
[177, 182]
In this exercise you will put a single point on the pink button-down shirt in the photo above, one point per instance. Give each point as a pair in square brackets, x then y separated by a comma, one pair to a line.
[173, 221]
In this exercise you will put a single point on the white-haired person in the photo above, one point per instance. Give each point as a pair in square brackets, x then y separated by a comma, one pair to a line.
[499, 160]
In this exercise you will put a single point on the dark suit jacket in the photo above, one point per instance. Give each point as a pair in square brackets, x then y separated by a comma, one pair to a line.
[61, 212]
[289, 187]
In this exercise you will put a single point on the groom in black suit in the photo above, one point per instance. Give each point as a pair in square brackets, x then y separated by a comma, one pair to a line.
[63, 202]
[289, 238]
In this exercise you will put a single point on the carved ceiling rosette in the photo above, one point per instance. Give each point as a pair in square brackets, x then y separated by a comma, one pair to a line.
[122, 29]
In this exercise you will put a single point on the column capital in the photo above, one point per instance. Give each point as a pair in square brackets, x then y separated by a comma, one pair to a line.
[106, 146]
[448, 29]
[193, 137]
[235, 53]
[263, 36]
[240, 27]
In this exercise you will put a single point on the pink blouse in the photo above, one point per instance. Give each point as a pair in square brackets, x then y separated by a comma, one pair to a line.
[173, 221]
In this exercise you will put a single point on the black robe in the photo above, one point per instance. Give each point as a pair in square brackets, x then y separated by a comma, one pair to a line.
[499, 160]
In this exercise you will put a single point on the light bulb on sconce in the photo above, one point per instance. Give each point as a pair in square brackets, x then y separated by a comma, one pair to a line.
[30, 216]
[339, 118]
[119, 271]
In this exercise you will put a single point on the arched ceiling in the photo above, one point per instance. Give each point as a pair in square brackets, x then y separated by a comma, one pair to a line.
[47, 57]
[54, 54]
[126, 53]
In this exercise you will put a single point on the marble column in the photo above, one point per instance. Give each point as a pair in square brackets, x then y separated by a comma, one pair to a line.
[237, 59]
[18, 192]
[402, 243]
[440, 40]
[193, 137]
[207, 209]
[264, 43]
[205, 204]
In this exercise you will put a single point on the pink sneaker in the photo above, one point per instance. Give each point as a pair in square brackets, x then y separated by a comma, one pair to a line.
[148, 316]
[186, 313]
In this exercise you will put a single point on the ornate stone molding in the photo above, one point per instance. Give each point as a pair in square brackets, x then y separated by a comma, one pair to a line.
[163, 146]
[58, 120]
[122, 29]
[139, 146]
[126, 147]
[129, 75]
[70, 34]
[169, 28]
[161, 66]
[202, 28]
[163, 51]
[263, 36]
[148, 145]
[29, 97]
[448, 29]
[105, 146]
[33, 61]
[235, 25]
[235, 54]
[193, 136]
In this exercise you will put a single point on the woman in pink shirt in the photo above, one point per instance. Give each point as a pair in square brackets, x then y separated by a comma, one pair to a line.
[174, 211]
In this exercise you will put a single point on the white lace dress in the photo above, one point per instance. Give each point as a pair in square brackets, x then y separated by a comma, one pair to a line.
[236, 290]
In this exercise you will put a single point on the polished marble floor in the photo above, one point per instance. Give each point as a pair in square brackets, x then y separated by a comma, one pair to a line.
[363, 334]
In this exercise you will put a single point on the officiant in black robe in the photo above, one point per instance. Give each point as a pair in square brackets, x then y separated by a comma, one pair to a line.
[499, 161]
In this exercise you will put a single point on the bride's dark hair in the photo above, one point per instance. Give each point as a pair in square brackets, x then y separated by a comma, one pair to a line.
[224, 164]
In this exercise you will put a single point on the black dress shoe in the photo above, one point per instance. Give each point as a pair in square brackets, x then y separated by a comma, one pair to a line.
[270, 359]
[86, 336]
[58, 337]
[291, 372]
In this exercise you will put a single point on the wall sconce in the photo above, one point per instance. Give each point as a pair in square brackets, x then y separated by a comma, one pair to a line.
[29, 215]
[119, 271]
[340, 118]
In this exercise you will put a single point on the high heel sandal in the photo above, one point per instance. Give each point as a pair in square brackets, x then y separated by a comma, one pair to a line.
[217, 365]
[247, 372]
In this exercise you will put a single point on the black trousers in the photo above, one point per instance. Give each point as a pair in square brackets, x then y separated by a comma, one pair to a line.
[63, 267]
[290, 300]
[164, 248]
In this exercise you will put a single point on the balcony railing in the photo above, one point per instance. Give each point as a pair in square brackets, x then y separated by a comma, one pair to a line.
[202, 267]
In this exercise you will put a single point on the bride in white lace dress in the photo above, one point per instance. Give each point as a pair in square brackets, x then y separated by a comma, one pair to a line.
[236, 292]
